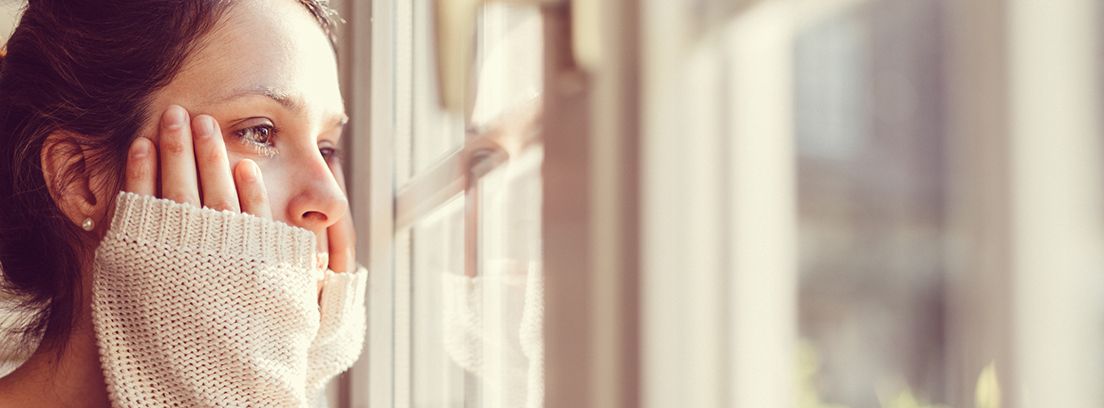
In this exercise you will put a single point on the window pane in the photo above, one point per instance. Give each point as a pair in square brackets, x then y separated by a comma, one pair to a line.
[439, 315]
[436, 132]
[477, 340]
[507, 73]
[871, 194]
[512, 374]
[510, 61]
[476, 298]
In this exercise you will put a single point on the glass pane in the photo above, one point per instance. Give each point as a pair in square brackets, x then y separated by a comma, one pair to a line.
[436, 132]
[438, 314]
[477, 341]
[510, 62]
[507, 70]
[510, 277]
[477, 300]
[871, 193]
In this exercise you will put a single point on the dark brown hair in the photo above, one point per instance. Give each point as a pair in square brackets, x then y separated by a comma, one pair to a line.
[87, 68]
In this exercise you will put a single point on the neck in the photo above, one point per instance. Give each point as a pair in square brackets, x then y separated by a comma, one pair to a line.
[68, 375]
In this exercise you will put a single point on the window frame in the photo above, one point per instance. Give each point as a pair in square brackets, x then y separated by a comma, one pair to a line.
[371, 185]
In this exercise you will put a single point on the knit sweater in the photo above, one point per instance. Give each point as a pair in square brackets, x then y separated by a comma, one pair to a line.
[200, 308]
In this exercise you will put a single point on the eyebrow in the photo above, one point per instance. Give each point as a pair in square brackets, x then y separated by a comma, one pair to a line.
[283, 98]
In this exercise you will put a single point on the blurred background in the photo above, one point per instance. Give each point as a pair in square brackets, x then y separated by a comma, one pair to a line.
[726, 203]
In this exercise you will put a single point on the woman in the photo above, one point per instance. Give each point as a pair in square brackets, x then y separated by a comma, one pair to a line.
[173, 208]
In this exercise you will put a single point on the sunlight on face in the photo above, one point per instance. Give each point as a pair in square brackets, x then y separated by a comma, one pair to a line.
[268, 74]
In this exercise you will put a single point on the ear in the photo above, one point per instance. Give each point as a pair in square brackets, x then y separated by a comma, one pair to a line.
[66, 174]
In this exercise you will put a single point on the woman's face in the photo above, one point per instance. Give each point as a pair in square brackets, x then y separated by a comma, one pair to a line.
[267, 73]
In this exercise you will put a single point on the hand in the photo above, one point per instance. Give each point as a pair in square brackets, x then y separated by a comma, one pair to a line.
[182, 146]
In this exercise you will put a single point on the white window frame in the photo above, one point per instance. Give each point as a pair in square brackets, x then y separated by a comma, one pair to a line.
[370, 177]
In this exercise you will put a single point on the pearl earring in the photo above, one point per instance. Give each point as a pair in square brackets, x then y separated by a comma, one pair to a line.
[87, 224]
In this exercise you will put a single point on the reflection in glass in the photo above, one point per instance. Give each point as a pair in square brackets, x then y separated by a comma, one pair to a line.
[437, 257]
[510, 276]
[436, 131]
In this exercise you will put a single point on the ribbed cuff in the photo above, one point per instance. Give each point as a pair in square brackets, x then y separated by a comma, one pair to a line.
[342, 296]
[183, 227]
[340, 336]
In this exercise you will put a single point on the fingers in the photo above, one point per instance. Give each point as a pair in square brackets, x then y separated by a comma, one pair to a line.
[342, 236]
[214, 167]
[141, 168]
[251, 189]
[178, 166]
[342, 245]
[192, 155]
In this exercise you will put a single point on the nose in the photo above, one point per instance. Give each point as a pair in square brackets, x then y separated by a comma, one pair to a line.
[319, 203]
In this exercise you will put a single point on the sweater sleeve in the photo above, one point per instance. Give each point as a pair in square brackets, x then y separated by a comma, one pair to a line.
[195, 307]
[341, 333]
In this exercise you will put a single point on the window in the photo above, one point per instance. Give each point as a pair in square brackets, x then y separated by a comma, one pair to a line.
[775, 203]
[457, 319]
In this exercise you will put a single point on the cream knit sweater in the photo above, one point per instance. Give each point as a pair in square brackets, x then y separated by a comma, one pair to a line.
[198, 308]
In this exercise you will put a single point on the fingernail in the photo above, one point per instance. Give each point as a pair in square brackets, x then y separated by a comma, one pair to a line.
[138, 149]
[204, 126]
[175, 117]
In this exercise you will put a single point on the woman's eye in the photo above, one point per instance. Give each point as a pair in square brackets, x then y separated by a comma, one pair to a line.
[259, 138]
[260, 134]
